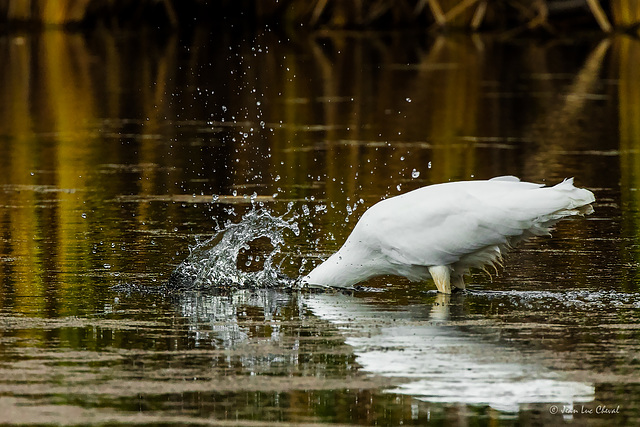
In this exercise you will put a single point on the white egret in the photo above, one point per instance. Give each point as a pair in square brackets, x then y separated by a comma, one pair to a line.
[443, 230]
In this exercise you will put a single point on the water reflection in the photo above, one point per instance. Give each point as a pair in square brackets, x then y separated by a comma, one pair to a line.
[442, 363]
[627, 51]
[214, 319]
[561, 129]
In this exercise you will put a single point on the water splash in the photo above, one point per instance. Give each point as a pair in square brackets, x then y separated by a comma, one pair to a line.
[227, 260]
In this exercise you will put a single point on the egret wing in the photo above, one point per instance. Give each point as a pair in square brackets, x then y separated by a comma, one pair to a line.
[447, 223]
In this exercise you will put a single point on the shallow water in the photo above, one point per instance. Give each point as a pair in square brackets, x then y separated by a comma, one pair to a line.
[122, 155]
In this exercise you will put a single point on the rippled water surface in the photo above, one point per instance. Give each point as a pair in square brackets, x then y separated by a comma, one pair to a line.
[160, 195]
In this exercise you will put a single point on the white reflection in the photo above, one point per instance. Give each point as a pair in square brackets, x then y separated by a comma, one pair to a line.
[222, 319]
[443, 363]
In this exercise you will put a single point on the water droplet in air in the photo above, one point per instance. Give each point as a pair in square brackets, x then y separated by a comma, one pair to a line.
[415, 174]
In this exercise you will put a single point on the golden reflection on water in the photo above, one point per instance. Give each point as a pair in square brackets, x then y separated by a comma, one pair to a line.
[333, 116]
[627, 56]
[626, 59]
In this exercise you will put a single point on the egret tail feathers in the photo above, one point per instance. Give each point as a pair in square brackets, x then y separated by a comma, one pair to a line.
[579, 198]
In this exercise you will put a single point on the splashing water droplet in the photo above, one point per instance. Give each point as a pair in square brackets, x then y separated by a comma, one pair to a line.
[415, 174]
[213, 264]
[349, 212]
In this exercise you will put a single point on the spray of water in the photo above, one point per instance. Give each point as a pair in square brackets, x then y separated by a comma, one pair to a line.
[221, 261]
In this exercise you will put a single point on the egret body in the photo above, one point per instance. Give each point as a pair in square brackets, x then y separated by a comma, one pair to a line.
[443, 230]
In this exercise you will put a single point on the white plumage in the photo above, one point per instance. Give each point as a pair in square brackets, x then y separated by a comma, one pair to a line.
[443, 230]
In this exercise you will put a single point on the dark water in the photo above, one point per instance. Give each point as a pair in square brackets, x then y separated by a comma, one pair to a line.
[113, 147]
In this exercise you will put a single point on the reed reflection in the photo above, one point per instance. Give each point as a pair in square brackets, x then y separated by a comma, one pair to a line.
[573, 119]
[627, 55]
[109, 123]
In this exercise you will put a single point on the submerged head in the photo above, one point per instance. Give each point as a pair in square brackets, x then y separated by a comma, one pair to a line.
[343, 269]
[324, 275]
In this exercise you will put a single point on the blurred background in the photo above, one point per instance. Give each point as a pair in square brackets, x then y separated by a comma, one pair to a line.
[550, 15]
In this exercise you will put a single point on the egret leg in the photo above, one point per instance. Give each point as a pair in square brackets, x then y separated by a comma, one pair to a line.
[441, 276]
[457, 282]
